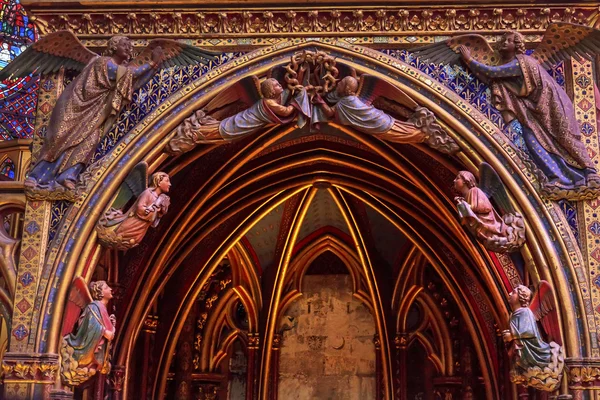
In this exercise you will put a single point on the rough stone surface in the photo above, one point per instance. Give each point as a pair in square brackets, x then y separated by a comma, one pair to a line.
[329, 354]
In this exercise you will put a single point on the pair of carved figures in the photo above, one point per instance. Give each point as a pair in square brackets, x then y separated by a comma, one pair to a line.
[317, 90]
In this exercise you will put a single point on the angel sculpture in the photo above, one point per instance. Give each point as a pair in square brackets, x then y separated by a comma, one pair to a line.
[87, 108]
[244, 108]
[124, 230]
[522, 90]
[86, 350]
[534, 362]
[499, 234]
[353, 106]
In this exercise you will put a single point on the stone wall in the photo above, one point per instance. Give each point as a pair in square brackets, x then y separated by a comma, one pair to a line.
[328, 353]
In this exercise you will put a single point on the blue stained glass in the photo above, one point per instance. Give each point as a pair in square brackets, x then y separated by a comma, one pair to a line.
[18, 97]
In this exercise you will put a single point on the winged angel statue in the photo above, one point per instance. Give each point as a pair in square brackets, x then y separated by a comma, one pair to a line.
[122, 229]
[501, 234]
[87, 332]
[522, 90]
[534, 362]
[87, 108]
[317, 90]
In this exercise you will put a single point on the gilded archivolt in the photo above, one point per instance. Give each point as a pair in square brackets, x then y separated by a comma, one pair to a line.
[421, 21]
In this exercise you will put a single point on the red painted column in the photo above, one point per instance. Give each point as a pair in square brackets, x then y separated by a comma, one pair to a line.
[253, 346]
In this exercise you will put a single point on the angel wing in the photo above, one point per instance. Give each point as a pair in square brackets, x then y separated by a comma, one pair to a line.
[79, 298]
[446, 52]
[133, 185]
[371, 87]
[492, 186]
[176, 53]
[243, 93]
[49, 54]
[543, 306]
[563, 41]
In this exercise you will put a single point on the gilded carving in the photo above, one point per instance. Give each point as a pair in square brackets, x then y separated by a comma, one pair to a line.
[501, 233]
[534, 362]
[123, 229]
[86, 349]
[89, 105]
[524, 92]
[323, 21]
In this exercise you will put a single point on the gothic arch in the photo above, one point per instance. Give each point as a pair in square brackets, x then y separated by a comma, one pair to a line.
[479, 139]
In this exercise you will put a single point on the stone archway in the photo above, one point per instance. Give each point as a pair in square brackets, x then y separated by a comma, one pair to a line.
[72, 251]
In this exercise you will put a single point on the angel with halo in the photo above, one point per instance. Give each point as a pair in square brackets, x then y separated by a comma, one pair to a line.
[87, 108]
[244, 108]
[522, 90]
[534, 362]
[352, 105]
[501, 234]
[124, 230]
[87, 332]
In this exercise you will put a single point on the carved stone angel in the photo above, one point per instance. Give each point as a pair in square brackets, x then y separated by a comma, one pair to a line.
[124, 230]
[87, 332]
[522, 90]
[242, 109]
[501, 234]
[352, 105]
[89, 105]
[534, 362]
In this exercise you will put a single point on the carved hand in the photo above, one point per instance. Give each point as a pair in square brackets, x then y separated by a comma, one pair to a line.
[465, 53]
[507, 336]
[110, 335]
[113, 319]
[459, 199]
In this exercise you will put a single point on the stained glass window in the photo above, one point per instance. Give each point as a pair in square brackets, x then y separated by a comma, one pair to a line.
[18, 97]
[7, 169]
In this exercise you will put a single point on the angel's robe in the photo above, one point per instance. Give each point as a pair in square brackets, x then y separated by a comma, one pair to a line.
[84, 112]
[490, 224]
[352, 111]
[90, 347]
[524, 91]
[528, 350]
[136, 221]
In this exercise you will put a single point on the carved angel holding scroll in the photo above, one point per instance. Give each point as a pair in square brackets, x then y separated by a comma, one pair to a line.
[244, 108]
[124, 230]
[352, 105]
[522, 90]
[501, 234]
[85, 350]
[534, 362]
[87, 108]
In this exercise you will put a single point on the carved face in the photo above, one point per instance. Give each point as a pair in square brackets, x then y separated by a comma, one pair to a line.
[459, 184]
[275, 89]
[165, 185]
[347, 86]
[508, 44]
[124, 49]
[107, 292]
[513, 300]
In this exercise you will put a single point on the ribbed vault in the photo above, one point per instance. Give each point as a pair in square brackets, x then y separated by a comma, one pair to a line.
[253, 203]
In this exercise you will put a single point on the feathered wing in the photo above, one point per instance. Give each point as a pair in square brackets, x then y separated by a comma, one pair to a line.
[371, 87]
[492, 186]
[543, 306]
[446, 52]
[563, 41]
[79, 298]
[49, 54]
[176, 53]
[133, 185]
[245, 91]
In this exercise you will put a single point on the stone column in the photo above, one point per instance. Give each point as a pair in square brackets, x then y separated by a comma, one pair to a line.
[378, 368]
[148, 333]
[401, 342]
[253, 348]
[274, 386]
[117, 381]
[27, 374]
[184, 360]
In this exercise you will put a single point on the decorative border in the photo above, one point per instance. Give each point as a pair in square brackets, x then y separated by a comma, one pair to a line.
[267, 22]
